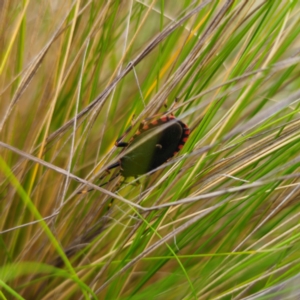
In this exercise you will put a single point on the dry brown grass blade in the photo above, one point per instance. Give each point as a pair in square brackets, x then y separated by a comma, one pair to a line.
[64, 172]
[32, 69]
[99, 101]
[188, 63]
[148, 49]
[160, 97]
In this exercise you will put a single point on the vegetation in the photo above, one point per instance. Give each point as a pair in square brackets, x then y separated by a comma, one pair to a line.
[217, 221]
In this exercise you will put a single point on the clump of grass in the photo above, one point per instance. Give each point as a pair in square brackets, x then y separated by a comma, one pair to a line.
[219, 220]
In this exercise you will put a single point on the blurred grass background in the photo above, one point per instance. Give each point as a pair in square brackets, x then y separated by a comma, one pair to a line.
[218, 221]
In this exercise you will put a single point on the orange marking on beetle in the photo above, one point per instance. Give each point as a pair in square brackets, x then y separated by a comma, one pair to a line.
[176, 145]
[164, 118]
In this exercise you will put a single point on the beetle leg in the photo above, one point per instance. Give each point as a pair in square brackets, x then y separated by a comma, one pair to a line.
[121, 144]
[118, 142]
[112, 166]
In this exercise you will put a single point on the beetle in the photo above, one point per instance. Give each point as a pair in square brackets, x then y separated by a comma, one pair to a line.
[153, 144]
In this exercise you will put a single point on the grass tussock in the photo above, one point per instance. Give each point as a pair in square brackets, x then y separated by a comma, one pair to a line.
[220, 220]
